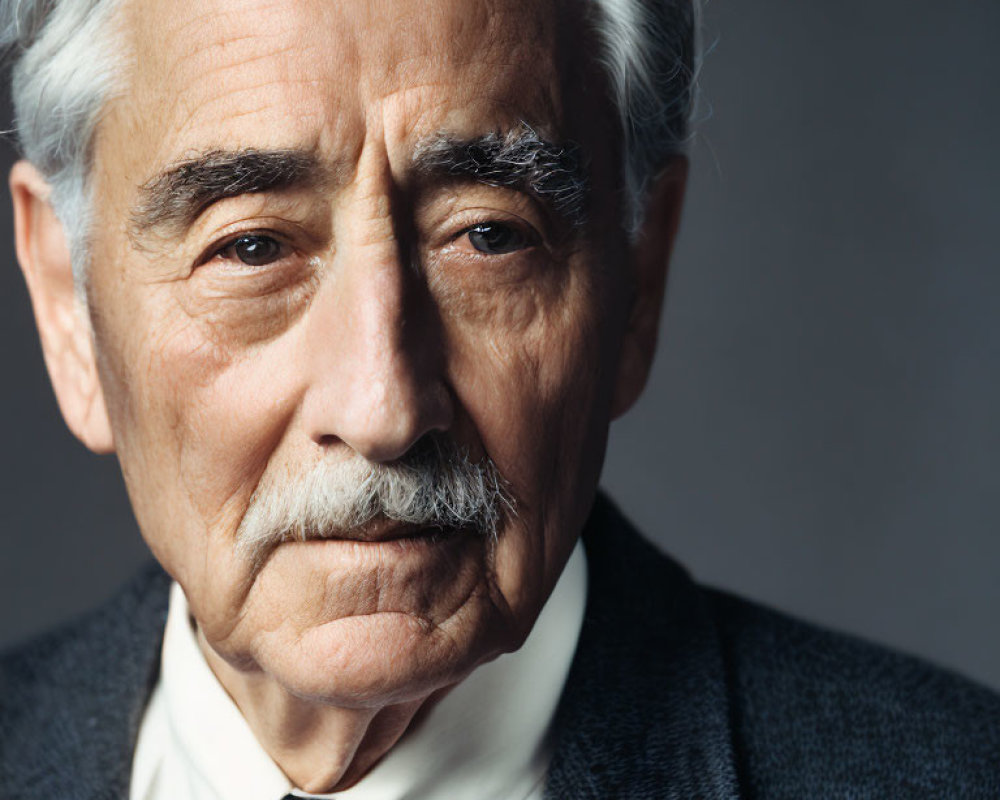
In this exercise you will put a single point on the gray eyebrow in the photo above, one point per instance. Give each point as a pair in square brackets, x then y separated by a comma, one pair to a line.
[554, 173]
[174, 198]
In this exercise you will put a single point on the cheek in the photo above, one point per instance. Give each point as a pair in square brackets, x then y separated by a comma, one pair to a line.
[212, 384]
[530, 367]
[529, 364]
[195, 420]
[227, 426]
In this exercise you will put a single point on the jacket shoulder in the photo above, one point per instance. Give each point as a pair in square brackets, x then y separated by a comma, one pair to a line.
[73, 648]
[822, 714]
[70, 698]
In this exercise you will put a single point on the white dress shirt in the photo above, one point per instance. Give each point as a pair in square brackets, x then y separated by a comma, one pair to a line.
[486, 739]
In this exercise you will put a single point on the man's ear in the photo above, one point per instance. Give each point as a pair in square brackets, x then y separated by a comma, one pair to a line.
[43, 252]
[650, 260]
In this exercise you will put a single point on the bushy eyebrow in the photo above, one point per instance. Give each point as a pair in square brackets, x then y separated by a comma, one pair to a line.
[173, 199]
[554, 173]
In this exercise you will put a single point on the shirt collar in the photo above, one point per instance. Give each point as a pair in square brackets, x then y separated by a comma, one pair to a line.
[475, 742]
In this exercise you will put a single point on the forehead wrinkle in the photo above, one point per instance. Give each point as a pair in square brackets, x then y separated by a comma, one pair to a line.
[242, 63]
[195, 28]
[195, 115]
[489, 32]
[501, 77]
[478, 36]
[192, 45]
[237, 53]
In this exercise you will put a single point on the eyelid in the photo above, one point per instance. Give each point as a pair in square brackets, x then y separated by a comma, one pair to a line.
[214, 249]
[530, 236]
[464, 222]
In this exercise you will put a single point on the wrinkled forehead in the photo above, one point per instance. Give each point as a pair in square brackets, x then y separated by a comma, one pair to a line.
[324, 73]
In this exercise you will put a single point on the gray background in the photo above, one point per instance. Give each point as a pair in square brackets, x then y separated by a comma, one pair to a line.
[820, 430]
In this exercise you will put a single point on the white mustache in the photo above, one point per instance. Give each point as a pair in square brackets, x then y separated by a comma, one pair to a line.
[435, 484]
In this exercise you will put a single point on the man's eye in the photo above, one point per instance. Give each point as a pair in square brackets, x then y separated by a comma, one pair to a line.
[254, 250]
[494, 238]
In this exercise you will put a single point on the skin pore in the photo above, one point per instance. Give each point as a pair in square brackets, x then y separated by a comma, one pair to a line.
[391, 302]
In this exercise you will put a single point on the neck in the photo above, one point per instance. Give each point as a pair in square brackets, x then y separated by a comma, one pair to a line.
[321, 748]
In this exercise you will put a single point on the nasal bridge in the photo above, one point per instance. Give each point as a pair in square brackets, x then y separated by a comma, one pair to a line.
[376, 360]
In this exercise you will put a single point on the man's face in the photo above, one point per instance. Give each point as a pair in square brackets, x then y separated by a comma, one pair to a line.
[372, 300]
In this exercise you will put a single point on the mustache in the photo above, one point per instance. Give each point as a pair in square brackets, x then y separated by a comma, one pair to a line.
[435, 484]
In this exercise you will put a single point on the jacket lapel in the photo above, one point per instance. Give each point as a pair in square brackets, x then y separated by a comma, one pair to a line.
[645, 712]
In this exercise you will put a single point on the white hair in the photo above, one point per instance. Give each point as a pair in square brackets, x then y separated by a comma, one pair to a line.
[64, 74]
[649, 55]
[68, 63]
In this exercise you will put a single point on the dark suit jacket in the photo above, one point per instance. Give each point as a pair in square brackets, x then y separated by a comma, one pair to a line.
[675, 692]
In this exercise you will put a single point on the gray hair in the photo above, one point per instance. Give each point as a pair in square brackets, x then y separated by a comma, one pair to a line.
[67, 66]
[63, 76]
[433, 485]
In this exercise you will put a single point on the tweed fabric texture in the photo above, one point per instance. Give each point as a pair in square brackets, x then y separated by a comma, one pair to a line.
[644, 713]
[822, 715]
[71, 701]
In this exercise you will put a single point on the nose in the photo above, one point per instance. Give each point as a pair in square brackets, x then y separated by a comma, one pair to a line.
[374, 356]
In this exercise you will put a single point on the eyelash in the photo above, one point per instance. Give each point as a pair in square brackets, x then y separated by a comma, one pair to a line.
[525, 236]
[480, 219]
[217, 249]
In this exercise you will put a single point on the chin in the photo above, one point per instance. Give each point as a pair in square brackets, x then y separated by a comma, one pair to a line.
[379, 659]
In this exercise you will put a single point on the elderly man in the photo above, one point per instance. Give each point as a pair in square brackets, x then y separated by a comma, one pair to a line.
[353, 291]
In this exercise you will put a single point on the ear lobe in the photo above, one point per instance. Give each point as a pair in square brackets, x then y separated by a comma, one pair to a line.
[43, 253]
[650, 262]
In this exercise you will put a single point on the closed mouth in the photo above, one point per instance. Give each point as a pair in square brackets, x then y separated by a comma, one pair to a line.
[384, 530]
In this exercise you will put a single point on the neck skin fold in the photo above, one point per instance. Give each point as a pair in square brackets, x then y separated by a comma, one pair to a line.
[321, 748]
